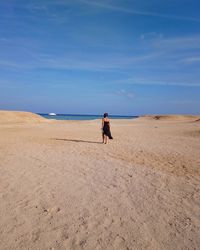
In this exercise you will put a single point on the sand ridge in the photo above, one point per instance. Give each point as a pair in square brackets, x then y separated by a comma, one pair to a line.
[19, 117]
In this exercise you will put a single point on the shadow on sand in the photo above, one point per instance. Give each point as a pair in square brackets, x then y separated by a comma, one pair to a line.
[60, 139]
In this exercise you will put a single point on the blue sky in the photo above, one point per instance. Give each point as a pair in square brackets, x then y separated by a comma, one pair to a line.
[82, 56]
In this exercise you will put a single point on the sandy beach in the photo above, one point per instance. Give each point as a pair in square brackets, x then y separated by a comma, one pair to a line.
[61, 188]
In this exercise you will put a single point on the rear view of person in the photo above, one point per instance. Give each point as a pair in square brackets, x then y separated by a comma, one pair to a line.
[106, 128]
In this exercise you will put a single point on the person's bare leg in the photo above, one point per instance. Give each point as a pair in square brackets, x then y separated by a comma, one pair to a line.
[103, 137]
[106, 139]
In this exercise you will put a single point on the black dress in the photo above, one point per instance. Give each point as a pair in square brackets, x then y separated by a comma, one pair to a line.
[106, 129]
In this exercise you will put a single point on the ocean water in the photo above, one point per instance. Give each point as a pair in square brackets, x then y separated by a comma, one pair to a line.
[83, 117]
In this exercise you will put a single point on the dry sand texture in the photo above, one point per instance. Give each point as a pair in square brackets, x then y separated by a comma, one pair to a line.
[60, 188]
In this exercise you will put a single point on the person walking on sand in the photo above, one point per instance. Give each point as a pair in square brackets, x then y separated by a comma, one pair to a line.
[106, 128]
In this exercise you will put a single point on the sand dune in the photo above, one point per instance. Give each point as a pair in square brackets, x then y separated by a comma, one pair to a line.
[19, 117]
[60, 188]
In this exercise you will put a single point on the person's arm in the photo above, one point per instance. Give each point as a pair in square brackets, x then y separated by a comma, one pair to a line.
[102, 123]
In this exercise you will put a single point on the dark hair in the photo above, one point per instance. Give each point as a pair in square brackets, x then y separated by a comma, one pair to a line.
[105, 115]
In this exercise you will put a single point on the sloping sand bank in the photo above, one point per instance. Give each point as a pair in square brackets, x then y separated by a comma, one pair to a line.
[60, 188]
[19, 117]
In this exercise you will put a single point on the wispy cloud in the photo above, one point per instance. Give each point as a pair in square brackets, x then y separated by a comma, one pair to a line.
[191, 60]
[178, 43]
[93, 62]
[55, 11]
[174, 51]
[14, 65]
[162, 82]
[151, 35]
[137, 12]
[125, 93]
